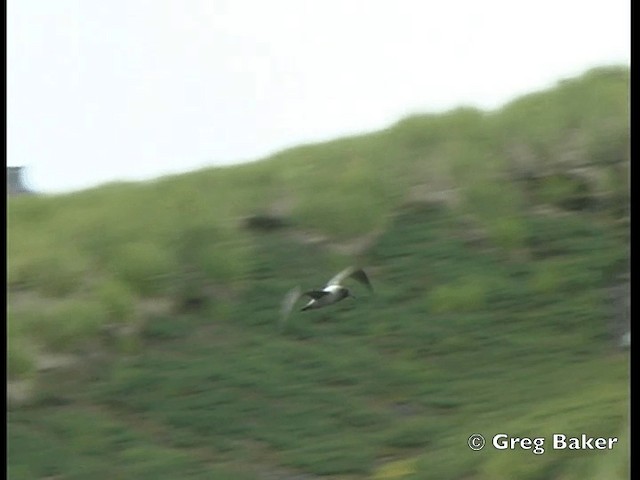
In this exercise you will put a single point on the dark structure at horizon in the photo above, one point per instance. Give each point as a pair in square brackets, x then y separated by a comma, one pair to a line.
[15, 182]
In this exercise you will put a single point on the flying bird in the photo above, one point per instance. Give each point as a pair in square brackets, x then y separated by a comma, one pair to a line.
[333, 292]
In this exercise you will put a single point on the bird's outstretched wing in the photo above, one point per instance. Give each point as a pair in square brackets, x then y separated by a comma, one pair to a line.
[351, 272]
[289, 301]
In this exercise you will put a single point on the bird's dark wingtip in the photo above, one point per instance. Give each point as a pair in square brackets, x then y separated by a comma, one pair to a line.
[360, 275]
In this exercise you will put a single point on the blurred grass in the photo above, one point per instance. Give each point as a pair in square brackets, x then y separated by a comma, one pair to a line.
[489, 315]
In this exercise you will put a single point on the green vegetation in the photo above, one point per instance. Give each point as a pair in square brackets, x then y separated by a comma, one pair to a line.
[490, 315]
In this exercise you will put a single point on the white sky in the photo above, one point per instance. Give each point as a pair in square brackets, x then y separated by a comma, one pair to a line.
[134, 89]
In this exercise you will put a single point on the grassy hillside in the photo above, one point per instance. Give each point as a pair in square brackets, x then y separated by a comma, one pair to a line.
[142, 339]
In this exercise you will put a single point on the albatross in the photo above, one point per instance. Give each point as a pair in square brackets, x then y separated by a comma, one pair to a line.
[333, 292]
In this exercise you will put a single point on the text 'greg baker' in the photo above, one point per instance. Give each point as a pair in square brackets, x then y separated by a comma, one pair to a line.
[502, 441]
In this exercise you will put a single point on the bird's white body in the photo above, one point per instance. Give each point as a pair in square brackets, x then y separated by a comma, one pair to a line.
[335, 293]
